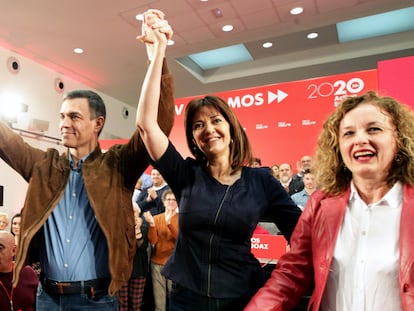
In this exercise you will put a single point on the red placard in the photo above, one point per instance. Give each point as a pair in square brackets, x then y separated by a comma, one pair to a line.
[283, 120]
[267, 247]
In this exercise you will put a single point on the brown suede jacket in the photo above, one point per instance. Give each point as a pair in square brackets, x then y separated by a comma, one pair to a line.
[109, 179]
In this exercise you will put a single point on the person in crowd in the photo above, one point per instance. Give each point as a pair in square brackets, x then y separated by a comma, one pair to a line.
[78, 213]
[137, 190]
[274, 169]
[221, 198]
[354, 241]
[302, 197]
[150, 198]
[131, 294]
[305, 163]
[146, 180]
[256, 162]
[23, 295]
[163, 232]
[15, 226]
[4, 220]
[286, 179]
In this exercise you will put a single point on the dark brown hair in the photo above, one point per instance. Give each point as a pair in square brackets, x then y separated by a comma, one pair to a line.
[240, 150]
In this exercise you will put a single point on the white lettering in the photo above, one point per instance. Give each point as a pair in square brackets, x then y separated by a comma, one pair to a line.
[260, 246]
[179, 109]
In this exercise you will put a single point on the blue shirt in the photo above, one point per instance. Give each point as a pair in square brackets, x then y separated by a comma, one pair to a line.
[300, 198]
[75, 247]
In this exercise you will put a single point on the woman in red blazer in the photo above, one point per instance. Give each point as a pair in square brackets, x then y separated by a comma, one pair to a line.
[354, 243]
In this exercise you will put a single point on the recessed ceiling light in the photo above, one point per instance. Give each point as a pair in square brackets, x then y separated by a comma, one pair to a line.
[203, 0]
[139, 17]
[170, 42]
[227, 28]
[296, 11]
[78, 50]
[267, 45]
[312, 35]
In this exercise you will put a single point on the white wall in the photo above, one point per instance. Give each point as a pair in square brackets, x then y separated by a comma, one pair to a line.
[36, 86]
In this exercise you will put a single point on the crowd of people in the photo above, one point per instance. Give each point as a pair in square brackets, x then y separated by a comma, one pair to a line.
[106, 238]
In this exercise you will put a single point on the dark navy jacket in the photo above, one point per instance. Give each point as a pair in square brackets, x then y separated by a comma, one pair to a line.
[216, 221]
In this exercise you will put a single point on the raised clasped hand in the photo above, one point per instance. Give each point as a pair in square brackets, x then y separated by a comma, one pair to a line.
[154, 20]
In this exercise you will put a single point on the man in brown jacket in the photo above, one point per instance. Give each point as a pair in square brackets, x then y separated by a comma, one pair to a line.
[78, 214]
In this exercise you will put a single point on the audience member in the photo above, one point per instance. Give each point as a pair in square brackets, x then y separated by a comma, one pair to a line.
[4, 220]
[146, 180]
[137, 190]
[23, 296]
[285, 176]
[305, 163]
[221, 198]
[274, 169]
[150, 198]
[354, 241]
[78, 209]
[131, 294]
[256, 162]
[163, 232]
[15, 226]
[302, 197]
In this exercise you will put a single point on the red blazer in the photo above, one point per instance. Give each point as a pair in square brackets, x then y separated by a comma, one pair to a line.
[312, 247]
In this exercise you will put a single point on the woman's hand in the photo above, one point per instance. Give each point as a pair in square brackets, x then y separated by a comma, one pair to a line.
[155, 31]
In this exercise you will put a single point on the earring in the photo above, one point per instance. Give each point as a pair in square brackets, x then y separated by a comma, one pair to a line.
[398, 158]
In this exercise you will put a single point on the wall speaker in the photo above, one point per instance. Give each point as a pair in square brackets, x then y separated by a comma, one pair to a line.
[13, 65]
[125, 113]
[59, 85]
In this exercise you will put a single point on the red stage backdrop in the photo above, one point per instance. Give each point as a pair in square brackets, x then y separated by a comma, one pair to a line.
[396, 79]
[283, 120]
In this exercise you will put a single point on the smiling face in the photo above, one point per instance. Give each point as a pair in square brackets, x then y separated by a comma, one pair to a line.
[170, 202]
[367, 142]
[211, 132]
[78, 128]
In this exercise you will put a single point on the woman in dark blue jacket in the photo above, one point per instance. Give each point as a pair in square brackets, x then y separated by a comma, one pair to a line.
[221, 199]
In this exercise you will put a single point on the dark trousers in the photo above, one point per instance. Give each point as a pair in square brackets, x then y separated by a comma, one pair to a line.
[183, 299]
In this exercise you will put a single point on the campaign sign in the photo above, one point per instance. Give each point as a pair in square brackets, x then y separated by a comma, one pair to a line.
[267, 247]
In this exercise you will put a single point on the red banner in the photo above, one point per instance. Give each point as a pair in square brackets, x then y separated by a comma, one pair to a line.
[283, 120]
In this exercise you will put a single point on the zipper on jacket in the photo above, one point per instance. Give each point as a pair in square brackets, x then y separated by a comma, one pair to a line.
[211, 243]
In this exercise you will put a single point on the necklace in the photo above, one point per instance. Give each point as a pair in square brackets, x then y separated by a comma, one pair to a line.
[9, 296]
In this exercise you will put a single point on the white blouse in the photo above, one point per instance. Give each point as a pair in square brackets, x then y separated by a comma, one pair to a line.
[364, 270]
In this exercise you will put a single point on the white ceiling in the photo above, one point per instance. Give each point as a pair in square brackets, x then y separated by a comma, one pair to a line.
[114, 62]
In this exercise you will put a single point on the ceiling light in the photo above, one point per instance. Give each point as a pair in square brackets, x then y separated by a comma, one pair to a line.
[227, 28]
[267, 45]
[296, 11]
[312, 35]
[78, 50]
[203, 0]
[139, 17]
[170, 42]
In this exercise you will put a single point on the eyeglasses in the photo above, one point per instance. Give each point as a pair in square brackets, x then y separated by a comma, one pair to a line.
[172, 200]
